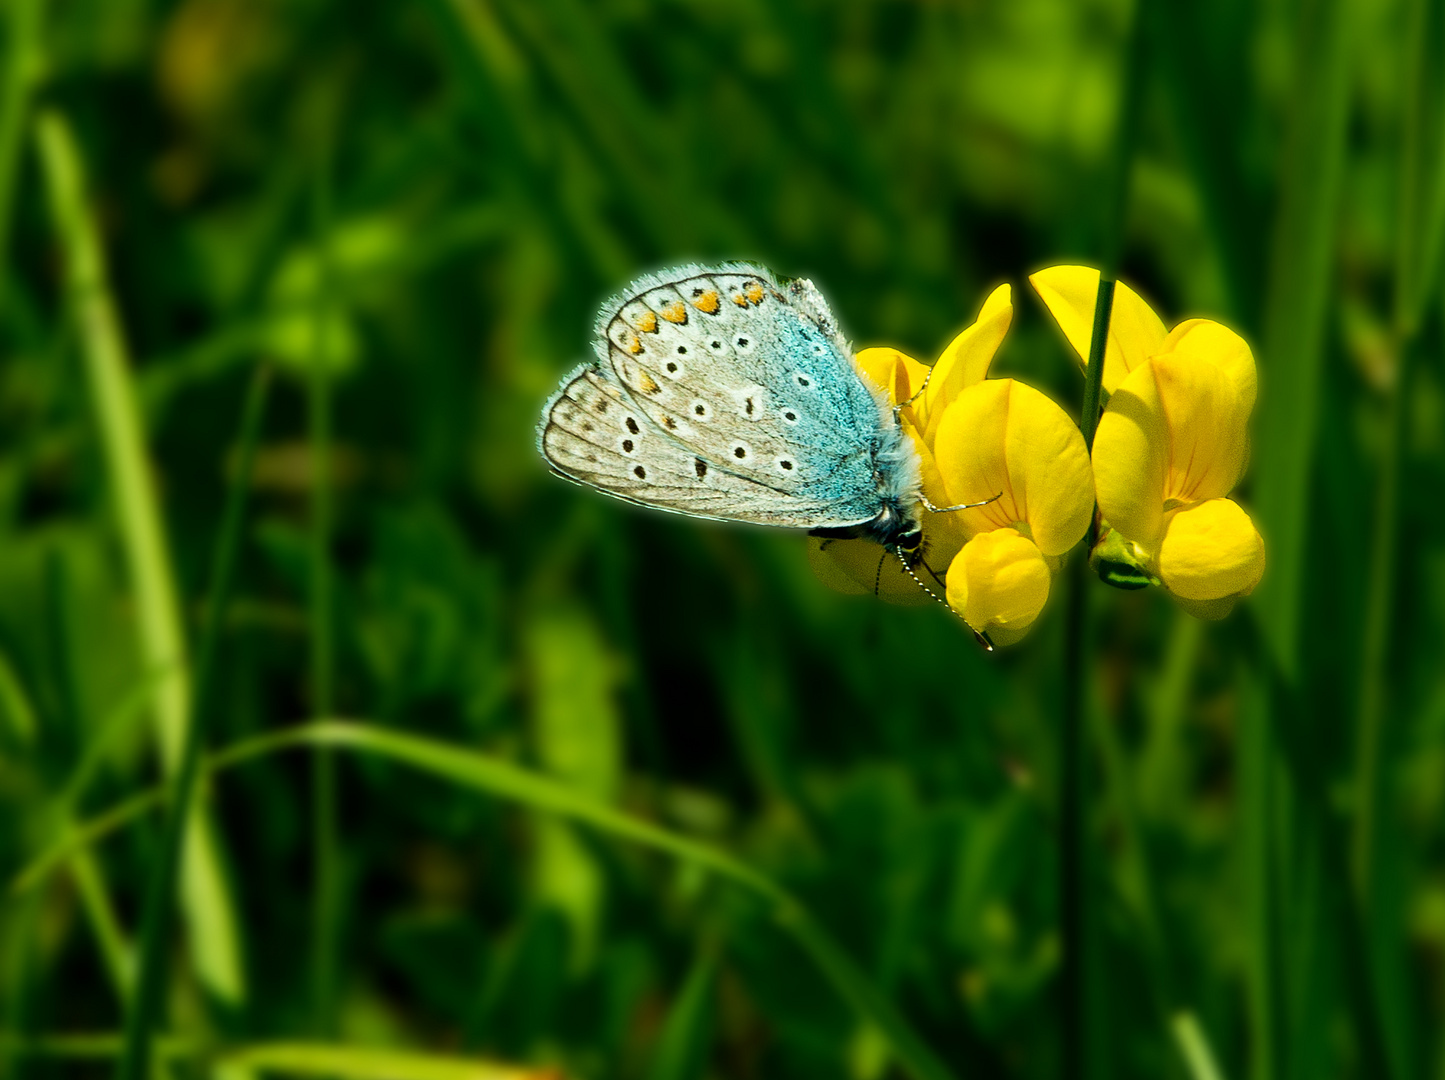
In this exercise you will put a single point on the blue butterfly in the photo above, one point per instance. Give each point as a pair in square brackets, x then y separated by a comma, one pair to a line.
[726, 393]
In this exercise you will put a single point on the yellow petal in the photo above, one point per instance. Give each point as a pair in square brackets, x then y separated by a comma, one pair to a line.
[999, 581]
[1003, 437]
[860, 567]
[1220, 345]
[943, 534]
[1131, 460]
[1208, 440]
[1173, 433]
[1135, 332]
[895, 373]
[965, 362]
[1210, 551]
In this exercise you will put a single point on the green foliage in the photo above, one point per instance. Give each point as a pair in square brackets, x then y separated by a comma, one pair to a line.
[630, 795]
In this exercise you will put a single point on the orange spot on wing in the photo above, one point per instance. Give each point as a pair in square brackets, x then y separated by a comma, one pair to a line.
[648, 323]
[740, 300]
[634, 344]
[754, 292]
[707, 303]
[675, 312]
[646, 382]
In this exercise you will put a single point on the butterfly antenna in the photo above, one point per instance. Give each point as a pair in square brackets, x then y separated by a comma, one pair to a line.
[918, 580]
[950, 509]
[917, 394]
[878, 575]
[978, 635]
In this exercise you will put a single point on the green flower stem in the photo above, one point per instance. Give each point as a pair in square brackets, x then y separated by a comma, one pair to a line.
[1074, 869]
[512, 783]
[1098, 344]
[1074, 872]
[135, 1060]
[161, 645]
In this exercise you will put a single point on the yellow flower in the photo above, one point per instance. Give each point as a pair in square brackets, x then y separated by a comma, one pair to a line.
[1171, 445]
[978, 440]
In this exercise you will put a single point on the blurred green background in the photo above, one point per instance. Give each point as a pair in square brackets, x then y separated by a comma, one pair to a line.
[410, 211]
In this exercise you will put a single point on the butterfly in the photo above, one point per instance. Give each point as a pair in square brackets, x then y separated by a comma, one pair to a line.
[727, 393]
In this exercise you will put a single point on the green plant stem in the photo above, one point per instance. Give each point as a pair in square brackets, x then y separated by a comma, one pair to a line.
[212, 923]
[155, 927]
[1073, 830]
[1073, 863]
[325, 907]
[1379, 606]
[1074, 805]
[22, 70]
[504, 780]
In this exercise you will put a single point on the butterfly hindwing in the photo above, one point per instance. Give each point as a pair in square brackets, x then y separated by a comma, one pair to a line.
[593, 433]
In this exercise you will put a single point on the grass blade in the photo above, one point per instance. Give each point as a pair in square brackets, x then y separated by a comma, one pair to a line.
[21, 72]
[1301, 271]
[162, 647]
[1194, 1047]
[135, 1061]
[504, 780]
[681, 1049]
[289, 1059]
[1381, 907]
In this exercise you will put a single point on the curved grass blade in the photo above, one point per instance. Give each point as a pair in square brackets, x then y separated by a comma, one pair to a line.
[502, 779]
[289, 1059]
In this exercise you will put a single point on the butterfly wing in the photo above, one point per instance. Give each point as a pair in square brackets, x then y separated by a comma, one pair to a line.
[722, 393]
[594, 433]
